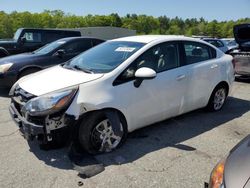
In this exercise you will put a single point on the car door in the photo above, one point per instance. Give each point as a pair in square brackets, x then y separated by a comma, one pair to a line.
[203, 70]
[159, 98]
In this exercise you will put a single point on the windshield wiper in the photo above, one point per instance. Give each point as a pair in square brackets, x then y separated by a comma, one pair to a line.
[86, 70]
[76, 67]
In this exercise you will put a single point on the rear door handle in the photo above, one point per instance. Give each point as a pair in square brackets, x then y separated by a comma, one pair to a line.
[214, 66]
[180, 77]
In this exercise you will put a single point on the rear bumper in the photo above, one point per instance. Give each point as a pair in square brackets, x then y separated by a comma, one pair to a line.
[242, 64]
[30, 130]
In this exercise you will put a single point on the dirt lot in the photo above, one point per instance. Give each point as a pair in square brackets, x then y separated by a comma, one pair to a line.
[179, 152]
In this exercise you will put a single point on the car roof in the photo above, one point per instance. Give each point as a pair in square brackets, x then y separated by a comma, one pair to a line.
[75, 38]
[150, 38]
[50, 29]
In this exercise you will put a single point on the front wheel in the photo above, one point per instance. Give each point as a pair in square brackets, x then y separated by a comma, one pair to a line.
[217, 98]
[96, 134]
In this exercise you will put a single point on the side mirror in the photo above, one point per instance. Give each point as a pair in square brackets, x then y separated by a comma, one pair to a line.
[143, 73]
[23, 39]
[60, 52]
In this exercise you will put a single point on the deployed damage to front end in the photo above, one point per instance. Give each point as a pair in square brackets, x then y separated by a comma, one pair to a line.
[42, 117]
[242, 53]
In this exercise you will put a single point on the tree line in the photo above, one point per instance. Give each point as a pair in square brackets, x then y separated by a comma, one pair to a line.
[143, 24]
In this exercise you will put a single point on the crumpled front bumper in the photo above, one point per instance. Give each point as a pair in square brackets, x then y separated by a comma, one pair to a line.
[30, 130]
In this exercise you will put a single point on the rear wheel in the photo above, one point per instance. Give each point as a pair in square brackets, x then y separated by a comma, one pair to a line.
[217, 98]
[96, 134]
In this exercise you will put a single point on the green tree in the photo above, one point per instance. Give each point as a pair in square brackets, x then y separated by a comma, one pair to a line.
[143, 24]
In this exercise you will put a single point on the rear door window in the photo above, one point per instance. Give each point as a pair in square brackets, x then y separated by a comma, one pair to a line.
[197, 52]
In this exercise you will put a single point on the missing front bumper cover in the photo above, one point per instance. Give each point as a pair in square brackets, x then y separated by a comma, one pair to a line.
[43, 132]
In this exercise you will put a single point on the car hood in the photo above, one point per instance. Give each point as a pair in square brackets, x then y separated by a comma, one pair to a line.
[237, 164]
[54, 79]
[25, 57]
[242, 33]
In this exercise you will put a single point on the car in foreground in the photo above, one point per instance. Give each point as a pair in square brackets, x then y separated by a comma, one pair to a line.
[242, 53]
[217, 43]
[15, 67]
[120, 86]
[30, 39]
[233, 170]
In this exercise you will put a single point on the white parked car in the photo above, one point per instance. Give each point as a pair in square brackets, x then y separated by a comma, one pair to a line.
[120, 86]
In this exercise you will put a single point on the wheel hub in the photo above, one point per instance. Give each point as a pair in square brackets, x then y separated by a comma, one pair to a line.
[105, 136]
[219, 98]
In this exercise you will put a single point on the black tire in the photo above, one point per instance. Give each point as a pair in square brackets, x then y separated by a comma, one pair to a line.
[87, 127]
[60, 138]
[27, 72]
[212, 106]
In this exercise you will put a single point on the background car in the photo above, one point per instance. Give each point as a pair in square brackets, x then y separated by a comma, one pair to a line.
[230, 42]
[217, 43]
[120, 86]
[28, 40]
[233, 171]
[14, 67]
[242, 53]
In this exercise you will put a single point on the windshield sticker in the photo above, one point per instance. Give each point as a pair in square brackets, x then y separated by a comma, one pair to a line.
[125, 49]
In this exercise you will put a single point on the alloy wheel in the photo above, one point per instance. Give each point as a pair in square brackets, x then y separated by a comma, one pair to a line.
[103, 137]
[219, 98]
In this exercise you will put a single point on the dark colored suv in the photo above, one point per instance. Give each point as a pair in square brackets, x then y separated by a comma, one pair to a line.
[16, 66]
[28, 40]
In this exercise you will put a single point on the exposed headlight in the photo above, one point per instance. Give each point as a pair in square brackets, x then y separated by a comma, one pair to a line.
[49, 103]
[5, 67]
[216, 178]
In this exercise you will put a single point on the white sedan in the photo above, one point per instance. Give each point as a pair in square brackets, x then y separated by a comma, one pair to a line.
[119, 86]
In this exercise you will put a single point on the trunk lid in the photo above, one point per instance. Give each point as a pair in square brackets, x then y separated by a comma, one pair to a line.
[242, 35]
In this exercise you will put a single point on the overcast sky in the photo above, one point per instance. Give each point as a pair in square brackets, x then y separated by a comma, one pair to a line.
[209, 9]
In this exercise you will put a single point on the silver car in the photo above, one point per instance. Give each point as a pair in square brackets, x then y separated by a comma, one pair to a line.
[234, 170]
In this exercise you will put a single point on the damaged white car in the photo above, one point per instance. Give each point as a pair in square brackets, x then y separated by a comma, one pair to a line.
[119, 86]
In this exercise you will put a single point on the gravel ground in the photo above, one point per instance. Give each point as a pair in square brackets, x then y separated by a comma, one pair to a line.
[178, 152]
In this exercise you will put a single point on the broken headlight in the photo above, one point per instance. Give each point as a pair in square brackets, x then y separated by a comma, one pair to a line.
[49, 103]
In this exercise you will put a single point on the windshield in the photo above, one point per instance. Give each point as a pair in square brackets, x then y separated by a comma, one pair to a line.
[49, 47]
[104, 57]
[17, 34]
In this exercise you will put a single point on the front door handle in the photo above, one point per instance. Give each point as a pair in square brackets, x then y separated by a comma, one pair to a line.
[214, 66]
[180, 77]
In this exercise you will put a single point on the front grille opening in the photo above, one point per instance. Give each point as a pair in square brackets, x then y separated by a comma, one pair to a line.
[38, 120]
